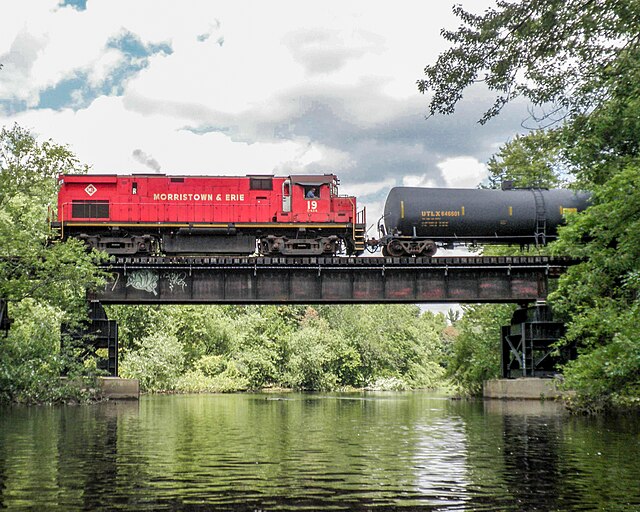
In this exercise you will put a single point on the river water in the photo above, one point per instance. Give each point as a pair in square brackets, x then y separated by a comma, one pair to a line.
[356, 451]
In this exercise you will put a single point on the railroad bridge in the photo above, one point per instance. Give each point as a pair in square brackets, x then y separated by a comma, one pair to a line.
[259, 280]
[526, 343]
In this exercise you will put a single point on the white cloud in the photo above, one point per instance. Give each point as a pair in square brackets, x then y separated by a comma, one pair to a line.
[103, 65]
[418, 181]
[250, 86]
[463, 172]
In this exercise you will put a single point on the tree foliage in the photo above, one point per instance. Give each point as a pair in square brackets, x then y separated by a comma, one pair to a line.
[530, 161]
[567, 56]
[475, 354]
[580, 59]
[45, 282]
[253, 347]
[601, 296]
[30, 266]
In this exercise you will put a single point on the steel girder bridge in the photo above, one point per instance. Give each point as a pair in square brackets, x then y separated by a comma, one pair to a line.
[260, 280]
[527, 344]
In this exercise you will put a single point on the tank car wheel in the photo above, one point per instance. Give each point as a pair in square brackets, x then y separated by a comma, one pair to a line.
[394, 249]
[430, 249]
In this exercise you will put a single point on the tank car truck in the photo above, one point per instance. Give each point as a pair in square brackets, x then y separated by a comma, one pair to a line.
[133, 215]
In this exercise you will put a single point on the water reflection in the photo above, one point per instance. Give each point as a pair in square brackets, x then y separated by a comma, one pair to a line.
[294, 451]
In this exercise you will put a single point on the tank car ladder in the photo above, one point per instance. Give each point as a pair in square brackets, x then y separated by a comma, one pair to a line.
[540, 233]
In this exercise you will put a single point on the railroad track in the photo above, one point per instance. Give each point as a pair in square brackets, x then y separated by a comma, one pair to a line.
[474, 262]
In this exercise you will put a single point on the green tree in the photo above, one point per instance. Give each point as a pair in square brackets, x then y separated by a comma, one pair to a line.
[136, 322]
[328, 347]
[531, 160]
[30, 266]
[606, 141]
[313, 355]
[44, 281]
[601, 296]
[157, 364]
[387, 341]
[475, 354]
[578, 62]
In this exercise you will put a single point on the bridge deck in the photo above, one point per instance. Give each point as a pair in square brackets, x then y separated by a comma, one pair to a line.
[258, 280]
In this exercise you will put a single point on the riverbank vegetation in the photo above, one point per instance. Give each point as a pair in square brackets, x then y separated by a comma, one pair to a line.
[232, 348]
[45, 283]
[576, 63]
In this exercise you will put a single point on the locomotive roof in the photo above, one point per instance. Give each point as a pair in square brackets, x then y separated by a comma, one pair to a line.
[313, 179]
[300, 179]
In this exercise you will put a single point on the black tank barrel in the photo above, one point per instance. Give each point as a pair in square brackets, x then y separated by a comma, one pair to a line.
[479, 215]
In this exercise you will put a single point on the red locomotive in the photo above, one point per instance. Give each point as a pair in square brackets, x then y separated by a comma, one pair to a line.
[198, 215]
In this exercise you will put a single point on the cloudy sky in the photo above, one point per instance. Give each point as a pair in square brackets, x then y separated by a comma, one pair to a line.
[237, 87]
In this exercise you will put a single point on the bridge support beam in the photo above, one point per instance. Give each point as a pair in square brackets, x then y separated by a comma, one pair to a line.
[98, 333]
[527, 343]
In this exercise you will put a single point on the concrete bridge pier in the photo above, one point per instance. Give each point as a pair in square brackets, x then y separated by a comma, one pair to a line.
[529, 356]
[523, 388]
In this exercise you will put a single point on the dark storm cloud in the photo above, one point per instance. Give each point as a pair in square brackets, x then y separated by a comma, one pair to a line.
[405, 143]
[402, 142]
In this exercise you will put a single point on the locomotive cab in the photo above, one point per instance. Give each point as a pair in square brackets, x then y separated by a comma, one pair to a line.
[312, 197]
[315, 219]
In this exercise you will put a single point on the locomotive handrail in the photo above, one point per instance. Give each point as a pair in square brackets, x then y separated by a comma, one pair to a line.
[361, 216]
[160, 212]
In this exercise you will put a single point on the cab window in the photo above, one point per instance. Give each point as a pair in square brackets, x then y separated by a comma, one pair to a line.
[311, 192]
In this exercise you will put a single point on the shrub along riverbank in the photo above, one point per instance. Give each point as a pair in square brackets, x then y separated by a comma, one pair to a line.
[233, 348]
